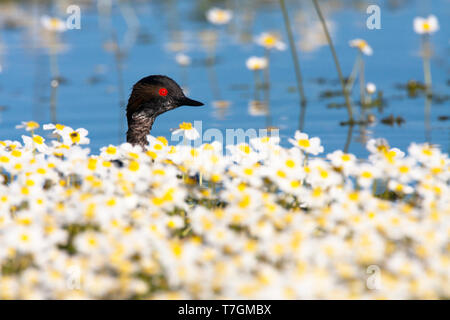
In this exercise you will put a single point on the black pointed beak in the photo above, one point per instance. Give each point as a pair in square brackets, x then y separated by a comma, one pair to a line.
[185, 101]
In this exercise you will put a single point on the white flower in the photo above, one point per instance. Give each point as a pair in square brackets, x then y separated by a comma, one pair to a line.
[35, 142]
[341, 160]
[302, 141]
[187, 130]
[24, 239]
[362, 45]
[183, 59]
[426, 25]
[57, 128]
[28, 125]
[425, 153]
[219, 16]
[110, 152]
[270, 41]
[53, 24]
[89, 242]
[400, 188]
[71, 136]
[256, 63]
[366, 174]
[371, 88]
[376, 146]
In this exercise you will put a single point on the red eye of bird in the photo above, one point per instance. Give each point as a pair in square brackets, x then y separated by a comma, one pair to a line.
[163, 92]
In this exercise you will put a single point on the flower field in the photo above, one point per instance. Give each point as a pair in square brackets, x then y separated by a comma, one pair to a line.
[260, 222]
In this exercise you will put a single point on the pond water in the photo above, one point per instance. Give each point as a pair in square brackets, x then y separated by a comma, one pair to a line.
[95, 79]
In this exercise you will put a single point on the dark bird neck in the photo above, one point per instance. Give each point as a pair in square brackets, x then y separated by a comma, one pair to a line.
[139, 126]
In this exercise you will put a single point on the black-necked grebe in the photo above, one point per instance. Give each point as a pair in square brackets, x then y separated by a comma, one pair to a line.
[152, 96]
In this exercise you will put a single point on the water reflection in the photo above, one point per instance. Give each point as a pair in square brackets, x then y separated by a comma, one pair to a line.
[178, 31]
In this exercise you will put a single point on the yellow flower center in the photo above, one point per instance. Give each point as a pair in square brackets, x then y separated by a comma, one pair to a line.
[4, 159]
[403, 169]
[215, 178]
[290, 163]
[221, 16]
[353, 196]
[186, 126]
[427, 152]
[159, 172]
[92, 164]
[345, 157]
[177, 249]
[317, 192]
[194, 153]
[269, 41]
[111, 150]
[111, 202]
[324, 174]
[92, 242]
[75, 136]
[304, 143]
[245, 148]
[245, 201]
[38, 139]
[362, 44]
[366, 174]
[16, 153]
[31, 125]
[54, 23]
[163, 140]
[295, 184]
[133, 166]
[281, 174]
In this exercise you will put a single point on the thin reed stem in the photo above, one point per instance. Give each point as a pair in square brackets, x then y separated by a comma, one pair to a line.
[257, 84]
[211, 60]
[353, 74]
[336, 61]
[426, 62]
[349, 138]
[118, 56]
[427, 117]
[362, 86]
[54, 84]
[426, 53]
[53, 98]
[267, 89]
[298, 73]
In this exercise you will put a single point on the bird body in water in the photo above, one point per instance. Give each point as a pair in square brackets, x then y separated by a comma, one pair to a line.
[152, 96]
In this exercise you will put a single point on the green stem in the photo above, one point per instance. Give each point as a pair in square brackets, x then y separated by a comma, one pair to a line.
[336, 61]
